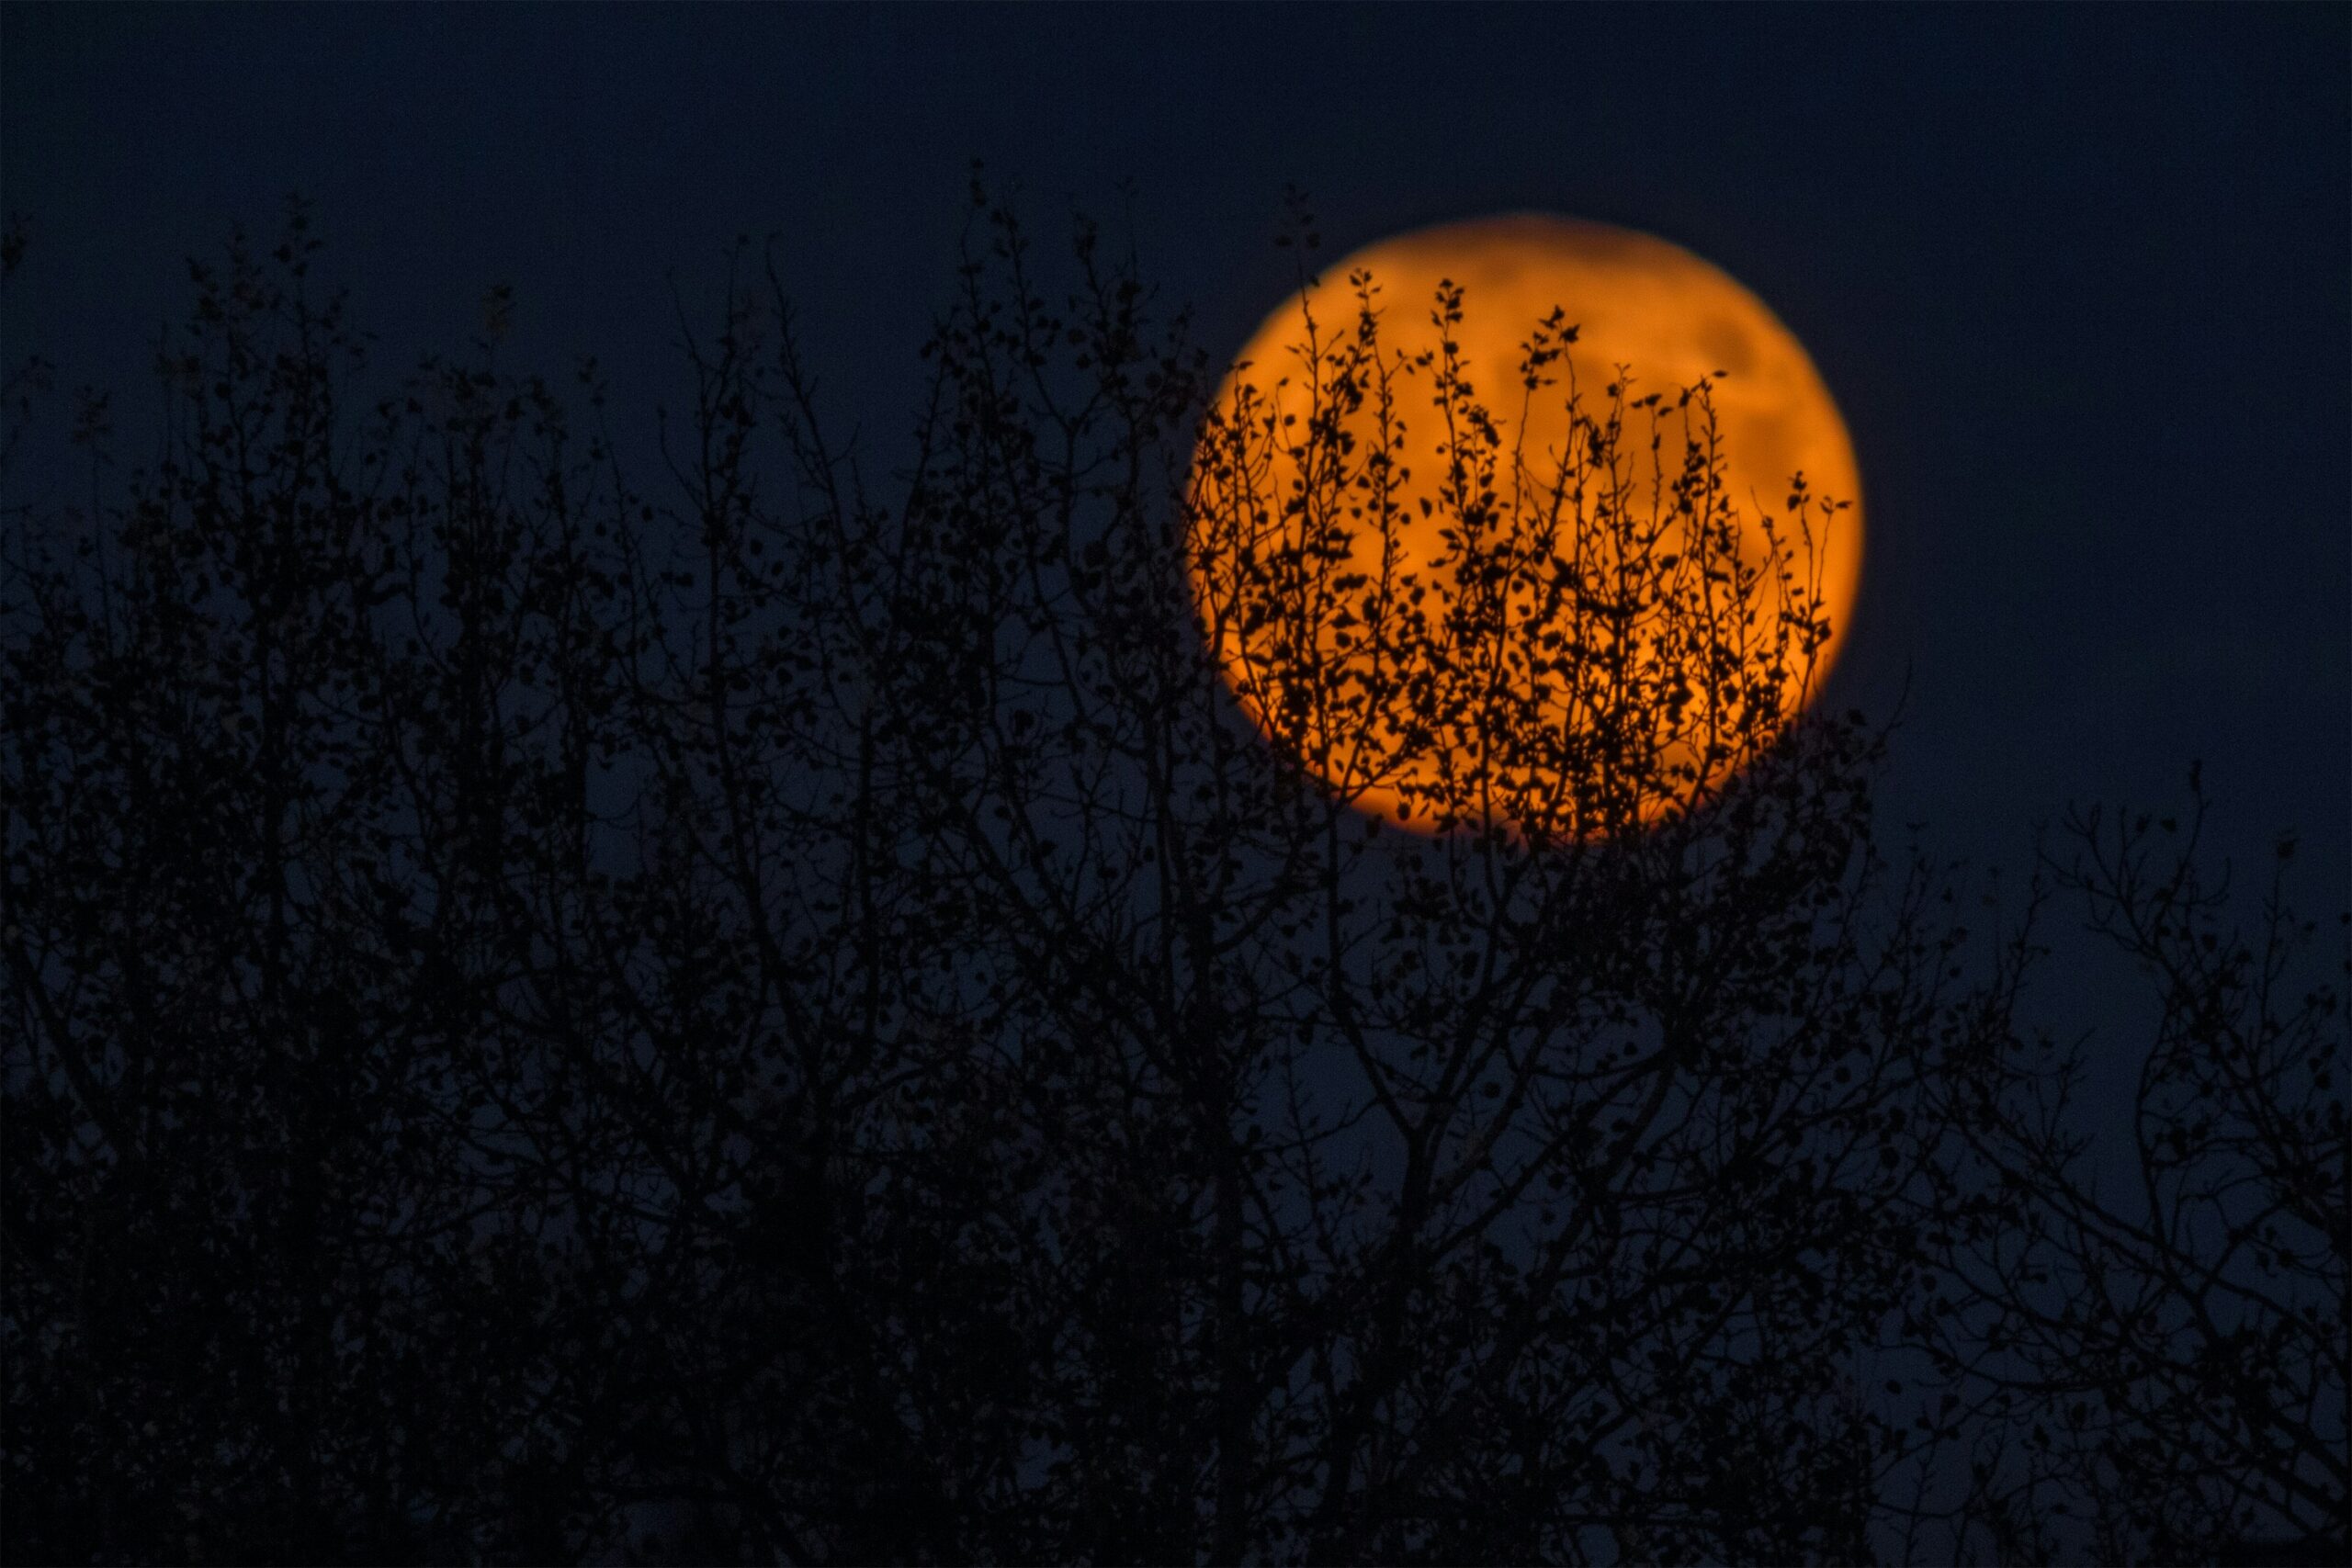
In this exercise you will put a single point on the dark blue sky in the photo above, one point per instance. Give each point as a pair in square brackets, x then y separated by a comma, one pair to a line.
[2078, 276]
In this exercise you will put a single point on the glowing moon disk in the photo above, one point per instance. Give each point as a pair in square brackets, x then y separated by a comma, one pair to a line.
[1636, 301]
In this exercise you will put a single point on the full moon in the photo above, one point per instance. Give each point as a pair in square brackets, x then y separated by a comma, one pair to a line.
[1370, 452]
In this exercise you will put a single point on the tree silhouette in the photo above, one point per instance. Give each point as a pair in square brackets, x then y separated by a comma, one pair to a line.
[807, 1020]
[2166, 1322]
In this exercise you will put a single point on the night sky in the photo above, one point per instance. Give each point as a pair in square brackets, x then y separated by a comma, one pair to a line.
[2079, 279]
[2077, 276]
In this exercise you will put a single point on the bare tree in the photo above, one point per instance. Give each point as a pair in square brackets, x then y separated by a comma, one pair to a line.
[1522, 1191]
[2161, 1316]
[831, 1017]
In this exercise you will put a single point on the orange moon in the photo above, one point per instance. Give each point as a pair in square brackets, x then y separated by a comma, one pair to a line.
[1638, 302]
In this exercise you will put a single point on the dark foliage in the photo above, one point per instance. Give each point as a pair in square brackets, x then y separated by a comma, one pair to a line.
[800, 1021]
